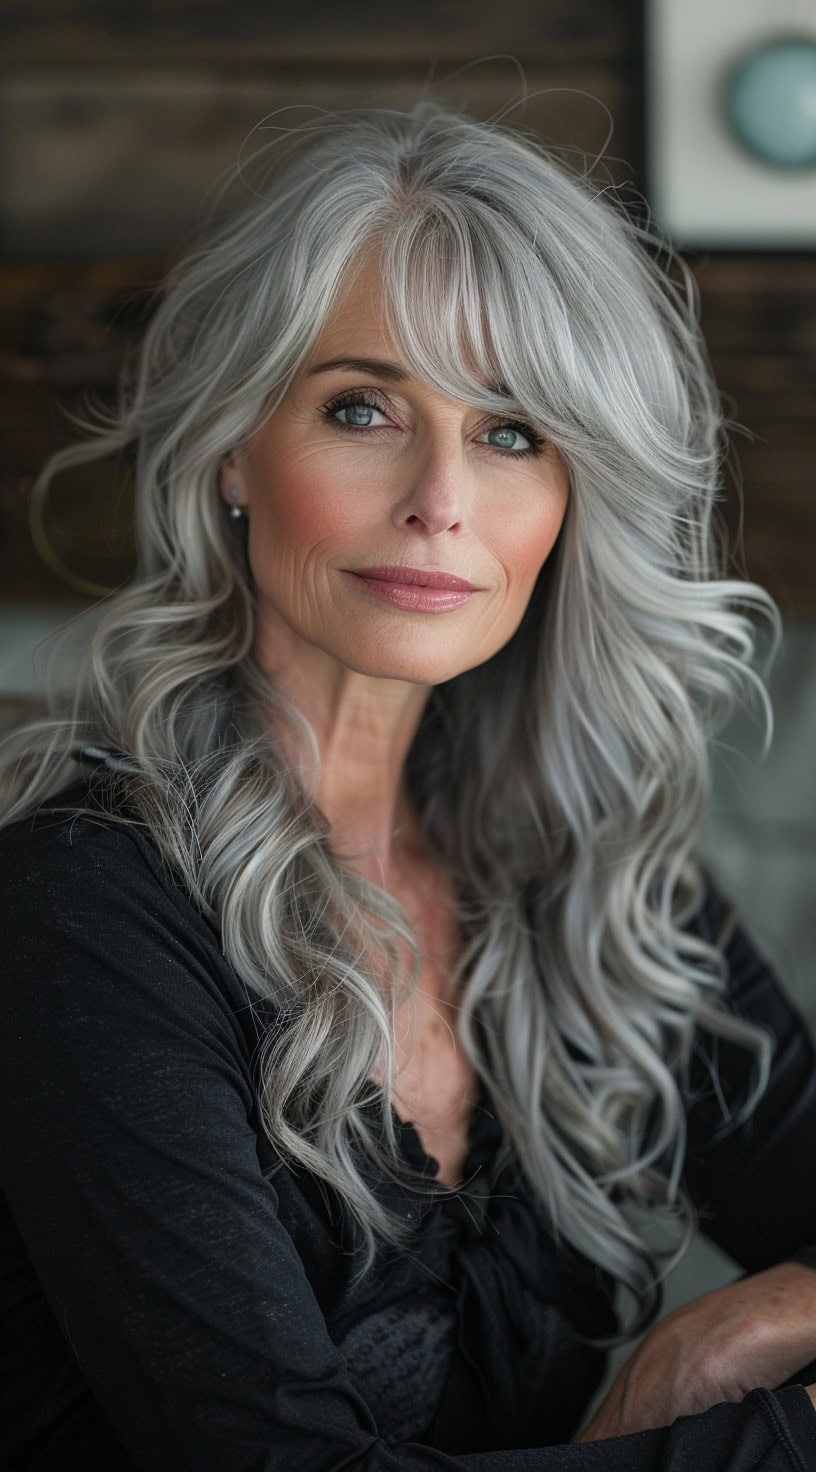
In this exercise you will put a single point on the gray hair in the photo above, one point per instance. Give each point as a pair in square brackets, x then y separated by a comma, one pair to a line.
[562, 783]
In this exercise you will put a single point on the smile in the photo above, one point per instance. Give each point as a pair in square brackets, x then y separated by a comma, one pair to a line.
[415, 597]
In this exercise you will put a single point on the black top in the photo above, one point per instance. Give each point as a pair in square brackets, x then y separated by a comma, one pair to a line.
[175, 1297]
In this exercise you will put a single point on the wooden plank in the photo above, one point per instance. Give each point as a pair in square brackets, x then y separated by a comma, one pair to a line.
[84, 32]
[778, 512]
[763, 315]
[88, 522]
[128, 162]
[761, 385]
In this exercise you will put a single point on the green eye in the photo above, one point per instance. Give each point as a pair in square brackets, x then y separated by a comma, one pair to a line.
[512, 437]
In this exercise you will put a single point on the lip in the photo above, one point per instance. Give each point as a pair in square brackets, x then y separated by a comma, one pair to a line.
[415, 577]
[414, 597]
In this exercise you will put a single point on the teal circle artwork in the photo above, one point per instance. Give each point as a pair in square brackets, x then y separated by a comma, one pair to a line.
[770, 102]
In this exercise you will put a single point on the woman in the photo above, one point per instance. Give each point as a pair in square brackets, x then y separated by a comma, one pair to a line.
[370, 1015]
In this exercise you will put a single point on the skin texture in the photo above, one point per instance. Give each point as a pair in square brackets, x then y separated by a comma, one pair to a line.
[759, 1331]
[421, 486]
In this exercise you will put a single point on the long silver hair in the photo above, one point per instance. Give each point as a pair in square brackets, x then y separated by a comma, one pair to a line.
[562, 783]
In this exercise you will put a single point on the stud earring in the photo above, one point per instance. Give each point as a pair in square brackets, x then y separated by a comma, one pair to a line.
[236, 511]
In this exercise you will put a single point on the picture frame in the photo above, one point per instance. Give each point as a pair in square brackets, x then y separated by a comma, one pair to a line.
[708, 186]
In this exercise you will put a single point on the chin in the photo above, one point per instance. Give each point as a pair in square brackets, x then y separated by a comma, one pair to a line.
[433, 669]
[413, 673]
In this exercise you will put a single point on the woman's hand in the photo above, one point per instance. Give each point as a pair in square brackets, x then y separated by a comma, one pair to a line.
[758, 1331]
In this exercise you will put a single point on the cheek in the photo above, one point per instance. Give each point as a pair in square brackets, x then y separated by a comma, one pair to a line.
[525, 542]
[301, 505]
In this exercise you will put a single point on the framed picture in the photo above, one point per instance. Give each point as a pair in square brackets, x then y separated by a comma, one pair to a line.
[730, 122]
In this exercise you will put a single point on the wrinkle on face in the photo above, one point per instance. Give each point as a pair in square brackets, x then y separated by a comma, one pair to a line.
[426, 492]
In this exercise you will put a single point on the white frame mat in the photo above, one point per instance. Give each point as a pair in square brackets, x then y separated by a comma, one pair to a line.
[704, 189]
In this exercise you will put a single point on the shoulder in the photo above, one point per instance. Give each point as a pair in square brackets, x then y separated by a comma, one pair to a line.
[92, 911]
[65, 834]
[75, 844]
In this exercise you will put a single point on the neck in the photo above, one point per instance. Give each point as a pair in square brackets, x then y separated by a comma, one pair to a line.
[364, 728]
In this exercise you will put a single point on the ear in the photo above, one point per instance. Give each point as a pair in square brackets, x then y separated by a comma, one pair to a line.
[230, 478]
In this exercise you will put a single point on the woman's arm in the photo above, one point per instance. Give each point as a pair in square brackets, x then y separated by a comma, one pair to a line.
[757, 1332]
[130, 1162]
[755, 1190]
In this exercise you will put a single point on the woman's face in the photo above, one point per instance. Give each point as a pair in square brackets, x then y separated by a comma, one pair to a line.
[364, 466]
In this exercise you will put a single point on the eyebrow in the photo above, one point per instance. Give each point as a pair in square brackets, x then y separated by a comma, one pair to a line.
[382, 368]
[376, 367]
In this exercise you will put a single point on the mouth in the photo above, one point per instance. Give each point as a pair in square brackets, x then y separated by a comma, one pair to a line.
[415, 577]
[414, 589]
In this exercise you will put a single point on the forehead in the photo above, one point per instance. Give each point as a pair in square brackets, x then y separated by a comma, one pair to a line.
[362, 323]
[357, 316]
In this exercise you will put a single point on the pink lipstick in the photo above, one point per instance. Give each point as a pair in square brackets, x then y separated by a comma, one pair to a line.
[415, 589]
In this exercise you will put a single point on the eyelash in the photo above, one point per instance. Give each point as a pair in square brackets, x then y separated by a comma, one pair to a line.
[370, 400]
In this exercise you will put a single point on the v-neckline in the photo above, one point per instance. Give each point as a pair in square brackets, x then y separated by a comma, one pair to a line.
[408, 1133]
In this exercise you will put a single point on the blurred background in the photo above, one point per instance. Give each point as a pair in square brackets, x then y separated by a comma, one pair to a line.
[117, 123]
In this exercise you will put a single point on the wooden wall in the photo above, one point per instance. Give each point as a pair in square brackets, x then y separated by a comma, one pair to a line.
[116, 121]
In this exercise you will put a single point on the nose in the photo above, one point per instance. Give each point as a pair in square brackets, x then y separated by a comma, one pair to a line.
[435, 488]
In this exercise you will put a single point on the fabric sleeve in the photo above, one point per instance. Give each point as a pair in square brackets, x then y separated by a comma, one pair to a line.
[131, 1165]
[754, 1184]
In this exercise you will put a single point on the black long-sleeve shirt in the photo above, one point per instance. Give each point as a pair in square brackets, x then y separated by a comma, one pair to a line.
[174, 1296]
